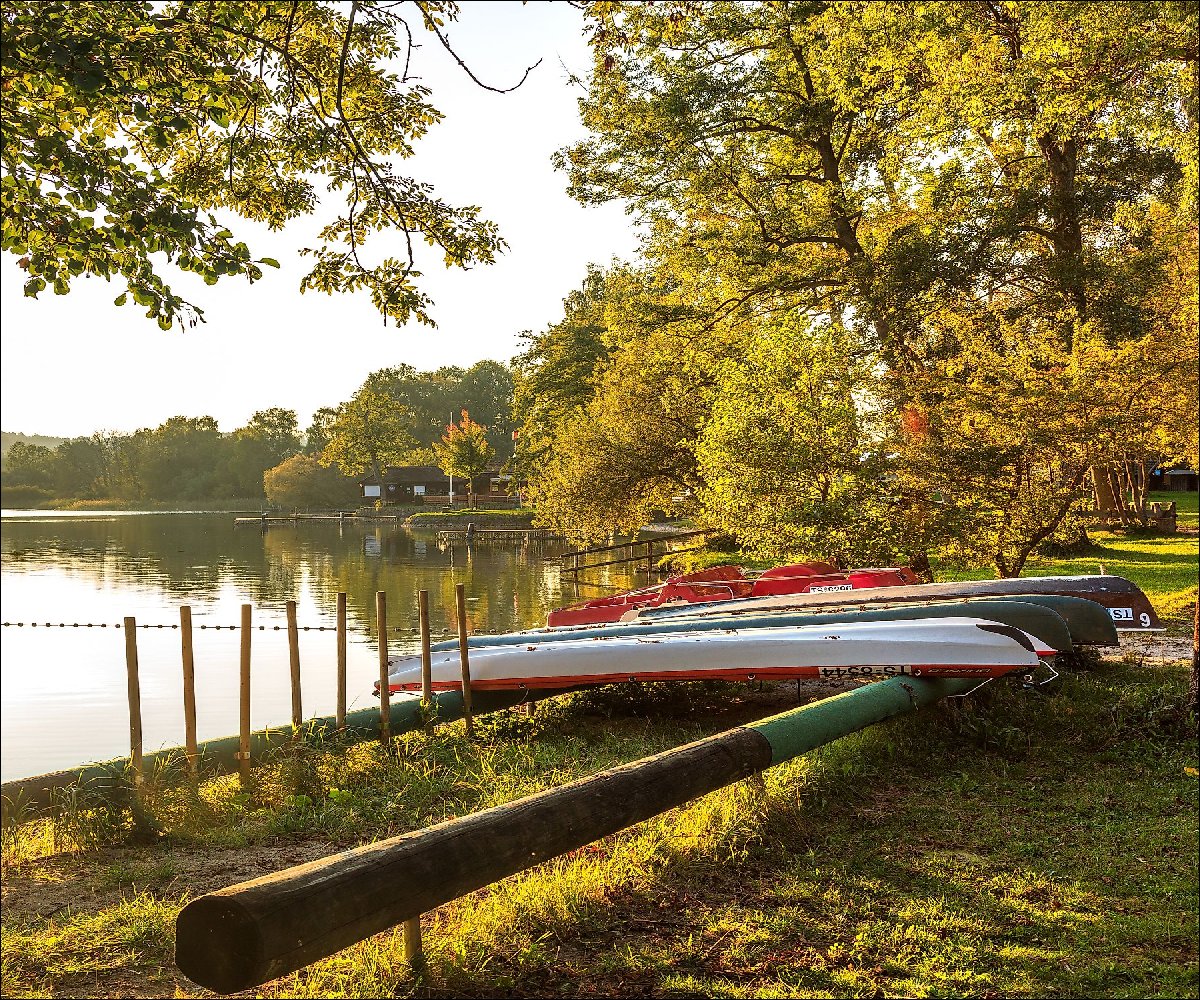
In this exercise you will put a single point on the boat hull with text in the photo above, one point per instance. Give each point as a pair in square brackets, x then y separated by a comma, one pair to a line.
[942, 647]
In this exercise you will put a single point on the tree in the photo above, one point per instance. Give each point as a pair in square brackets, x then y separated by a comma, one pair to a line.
[464, 451]
[128, 125]
[319, 429]
[485, 389]
[555, 377]
[951, 182]
[302, 481]
[370, 433]
[184, 458]
[268, 438]
[29, 465]
[795, 458]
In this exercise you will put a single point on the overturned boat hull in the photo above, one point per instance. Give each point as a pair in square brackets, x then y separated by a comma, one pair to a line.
[944, 647]
[1128, 607]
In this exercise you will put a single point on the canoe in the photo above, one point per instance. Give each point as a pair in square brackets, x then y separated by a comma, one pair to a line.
[1128, 607]
[1045, 622]
[938, 647]
[719, 583]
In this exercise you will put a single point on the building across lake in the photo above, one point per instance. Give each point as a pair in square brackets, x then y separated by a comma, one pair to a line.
[428, 484]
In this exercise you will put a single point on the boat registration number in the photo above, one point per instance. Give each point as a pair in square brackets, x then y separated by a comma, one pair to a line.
[867, 670]
[1122, 615]
[831, 587]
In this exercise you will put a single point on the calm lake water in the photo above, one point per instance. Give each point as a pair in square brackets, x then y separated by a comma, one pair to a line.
[64, 689]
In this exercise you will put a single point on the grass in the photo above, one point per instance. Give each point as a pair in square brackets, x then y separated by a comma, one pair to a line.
[1016, 845]
[1187, 506]
[963, 851]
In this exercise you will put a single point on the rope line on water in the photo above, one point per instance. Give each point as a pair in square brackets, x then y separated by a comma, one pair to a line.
[261, 628]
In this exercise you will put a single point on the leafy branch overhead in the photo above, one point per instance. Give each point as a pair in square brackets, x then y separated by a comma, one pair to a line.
[129, 125]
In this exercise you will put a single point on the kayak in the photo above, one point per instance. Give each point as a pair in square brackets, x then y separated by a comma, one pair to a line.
[721, 583]
[1128, 607]
[938, 647]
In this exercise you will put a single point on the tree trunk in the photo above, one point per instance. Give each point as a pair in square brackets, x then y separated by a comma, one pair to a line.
[918, 562]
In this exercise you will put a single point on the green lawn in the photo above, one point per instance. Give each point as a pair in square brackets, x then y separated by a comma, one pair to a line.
[1187, 506]
[1020, 845]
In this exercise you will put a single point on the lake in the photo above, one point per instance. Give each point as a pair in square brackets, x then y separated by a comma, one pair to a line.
[64, 688]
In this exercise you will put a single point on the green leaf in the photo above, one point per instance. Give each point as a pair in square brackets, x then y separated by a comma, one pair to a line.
[121, 299]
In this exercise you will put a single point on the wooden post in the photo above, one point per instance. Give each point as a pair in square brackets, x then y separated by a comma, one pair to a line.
[460, 599]
[650, 557]
[385, 693]
[410, 942]
[426, 656]
[135, 699]
[294, 662]
[189, 686]
[244, 721]
[341, 661]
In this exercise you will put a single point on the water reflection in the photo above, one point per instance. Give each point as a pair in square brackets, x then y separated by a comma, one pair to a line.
[64, 688]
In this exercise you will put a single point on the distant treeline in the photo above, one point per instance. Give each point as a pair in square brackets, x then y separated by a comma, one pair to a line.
[9, 438]
[190, 460]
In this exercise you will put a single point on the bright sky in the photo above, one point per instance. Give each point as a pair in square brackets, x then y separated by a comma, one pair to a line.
[76, 364]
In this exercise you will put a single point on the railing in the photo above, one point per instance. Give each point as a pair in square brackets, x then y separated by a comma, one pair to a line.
[639, 555]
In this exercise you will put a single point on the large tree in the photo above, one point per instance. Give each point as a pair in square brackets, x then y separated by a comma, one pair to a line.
[956, 184]
[369, 434]
[128, 126]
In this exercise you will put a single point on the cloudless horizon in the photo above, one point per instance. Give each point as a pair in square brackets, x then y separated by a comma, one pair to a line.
[76, 364]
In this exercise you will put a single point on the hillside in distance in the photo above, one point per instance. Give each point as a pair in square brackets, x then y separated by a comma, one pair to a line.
[9, 438]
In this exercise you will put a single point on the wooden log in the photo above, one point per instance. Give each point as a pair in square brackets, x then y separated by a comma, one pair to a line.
[293, 633]
[340, 711]
[134, 689]
[426, 656]
[244, 702]
[189, 686]
[464, 660]
[385, 701]
[247, 934]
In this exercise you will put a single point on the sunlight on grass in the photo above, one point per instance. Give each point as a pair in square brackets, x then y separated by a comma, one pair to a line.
[960, 851]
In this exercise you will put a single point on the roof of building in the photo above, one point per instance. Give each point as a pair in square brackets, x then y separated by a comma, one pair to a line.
[413, 474]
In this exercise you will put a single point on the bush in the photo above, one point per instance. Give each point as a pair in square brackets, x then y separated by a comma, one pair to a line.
[25, 496]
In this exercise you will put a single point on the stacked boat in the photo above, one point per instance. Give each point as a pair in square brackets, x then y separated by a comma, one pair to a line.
[977, 629]
[725, 583]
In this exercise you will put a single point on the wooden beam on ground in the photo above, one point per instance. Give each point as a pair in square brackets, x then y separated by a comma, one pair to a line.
[256, 931]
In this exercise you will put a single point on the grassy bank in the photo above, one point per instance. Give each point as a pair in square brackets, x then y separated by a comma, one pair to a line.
[1014, 845]
[1017, 845]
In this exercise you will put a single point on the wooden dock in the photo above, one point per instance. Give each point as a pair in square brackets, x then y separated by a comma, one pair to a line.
[268, 519]
[492, 536]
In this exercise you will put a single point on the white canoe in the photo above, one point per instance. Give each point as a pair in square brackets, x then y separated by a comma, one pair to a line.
[932, 647]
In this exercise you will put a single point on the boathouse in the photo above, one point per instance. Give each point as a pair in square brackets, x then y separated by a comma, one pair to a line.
[426, 484]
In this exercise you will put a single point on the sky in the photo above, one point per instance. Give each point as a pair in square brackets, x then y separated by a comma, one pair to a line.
[74, 364]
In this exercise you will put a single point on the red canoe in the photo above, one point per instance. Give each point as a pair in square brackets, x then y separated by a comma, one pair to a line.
[723, 583]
